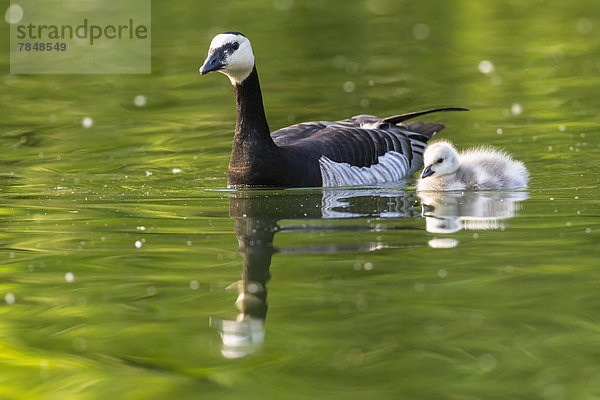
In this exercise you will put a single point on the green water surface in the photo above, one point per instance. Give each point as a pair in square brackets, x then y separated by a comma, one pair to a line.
[129, 271]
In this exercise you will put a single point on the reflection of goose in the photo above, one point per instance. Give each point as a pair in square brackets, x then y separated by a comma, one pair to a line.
[245, 334]
[482, 168]
[359, 150]
[378, 202]
[256, 215]
[448, 212]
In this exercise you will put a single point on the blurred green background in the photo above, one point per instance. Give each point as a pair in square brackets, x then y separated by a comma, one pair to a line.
[117, 246]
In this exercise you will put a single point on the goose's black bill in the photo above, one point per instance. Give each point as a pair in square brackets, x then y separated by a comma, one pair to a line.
[213, 63]
[427, 172]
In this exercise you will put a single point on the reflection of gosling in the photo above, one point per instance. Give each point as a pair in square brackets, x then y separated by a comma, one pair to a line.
[478, 168]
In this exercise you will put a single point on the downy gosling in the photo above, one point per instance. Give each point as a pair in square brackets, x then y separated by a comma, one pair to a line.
[479, 168]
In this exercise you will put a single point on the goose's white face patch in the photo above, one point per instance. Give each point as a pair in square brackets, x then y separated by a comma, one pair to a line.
[390, 167]
[238, 62]
[441, 158]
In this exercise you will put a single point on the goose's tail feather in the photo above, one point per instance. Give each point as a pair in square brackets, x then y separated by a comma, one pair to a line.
[396, 119]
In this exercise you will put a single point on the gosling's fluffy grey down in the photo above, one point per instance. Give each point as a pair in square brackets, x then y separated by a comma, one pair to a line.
[483, 168]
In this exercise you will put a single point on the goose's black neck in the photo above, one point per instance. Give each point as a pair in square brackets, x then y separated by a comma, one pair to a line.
[251, 123]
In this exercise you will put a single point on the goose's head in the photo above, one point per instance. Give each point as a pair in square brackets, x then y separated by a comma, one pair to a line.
[231, 54]
[440, 159]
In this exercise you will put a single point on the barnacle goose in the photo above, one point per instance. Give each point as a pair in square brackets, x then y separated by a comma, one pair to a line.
[360, 150]
[482, 168]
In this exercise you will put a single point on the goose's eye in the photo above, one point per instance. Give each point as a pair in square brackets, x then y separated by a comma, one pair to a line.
[440, 160]
[235, 45]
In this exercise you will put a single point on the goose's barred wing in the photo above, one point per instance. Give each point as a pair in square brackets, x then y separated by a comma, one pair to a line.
[358, 156]
[362, 147]
[294, 133]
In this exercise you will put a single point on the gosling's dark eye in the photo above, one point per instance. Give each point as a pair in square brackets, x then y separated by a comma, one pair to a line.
[440, 160]
[235, 45]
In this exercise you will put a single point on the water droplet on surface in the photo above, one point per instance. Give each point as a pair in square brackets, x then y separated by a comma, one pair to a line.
[138, 244]
[176, 170]
[362, 304]
[194, 285]
[487, 362]
[14, 14]
[486, 67]
[140, 100]
[584, 26]
[516, 109]
[421, 31]
[9, 298]
[349, 87]
[87, 122]
[69, 277]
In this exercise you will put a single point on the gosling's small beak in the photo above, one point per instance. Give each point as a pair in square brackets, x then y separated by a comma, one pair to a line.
[212, 63]
[427, 172]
